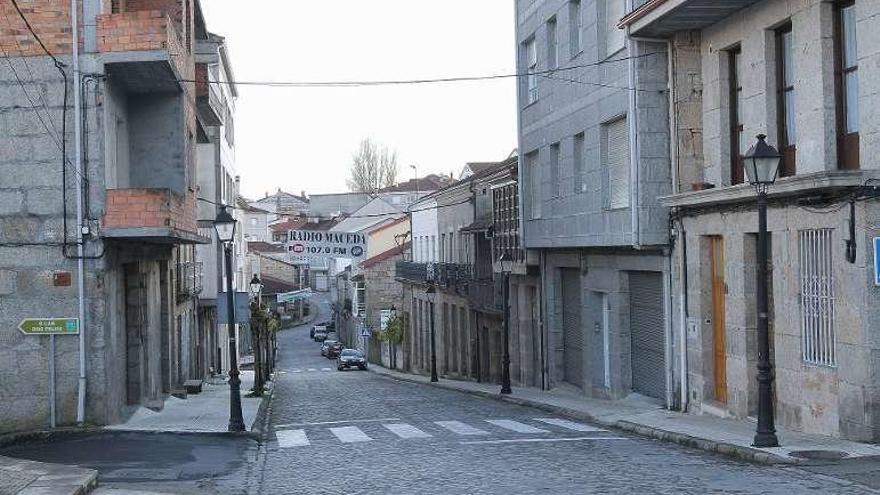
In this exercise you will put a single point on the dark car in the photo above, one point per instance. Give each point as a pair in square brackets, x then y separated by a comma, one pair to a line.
[351, 358]
[334, 349]
[326, 345]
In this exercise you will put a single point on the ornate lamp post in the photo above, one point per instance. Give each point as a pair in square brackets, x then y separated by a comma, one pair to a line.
[505, 262]
[431, 293]
[260, 375]
[224, 224]
[762, 165]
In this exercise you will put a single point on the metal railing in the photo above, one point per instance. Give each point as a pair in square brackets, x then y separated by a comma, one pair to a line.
[189, 278]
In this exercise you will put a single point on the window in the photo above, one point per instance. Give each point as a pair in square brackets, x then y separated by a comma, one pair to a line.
[617, 163]
[736, 127]
[552, 45]
[443, 248]
[554, 170]
[433, 253]
[253, 221]
[815, 249]
[531, 63]
[847, 72]
[580, 180]
[534, 171]
[361, 299]
[505, 215]
[786, 98]
[575, 26]
[615, 38]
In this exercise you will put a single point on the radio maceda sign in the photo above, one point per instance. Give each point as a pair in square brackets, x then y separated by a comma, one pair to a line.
[324, 244]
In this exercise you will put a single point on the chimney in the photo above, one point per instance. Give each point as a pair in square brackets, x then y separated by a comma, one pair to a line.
[302, 194]
[266, 195]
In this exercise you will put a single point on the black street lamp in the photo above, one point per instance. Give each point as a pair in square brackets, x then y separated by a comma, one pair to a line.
[431, 293]
[505, 360]
[224, 224]
[762, 165]
[261, 373]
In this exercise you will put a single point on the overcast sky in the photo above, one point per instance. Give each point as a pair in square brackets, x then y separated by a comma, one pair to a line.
[303, 138]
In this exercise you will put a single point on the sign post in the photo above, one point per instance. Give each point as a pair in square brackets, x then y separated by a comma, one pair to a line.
[50, 327]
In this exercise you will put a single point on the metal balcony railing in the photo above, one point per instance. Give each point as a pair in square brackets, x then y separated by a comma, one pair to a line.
[189, 278]
[411, 271]
[487, 295]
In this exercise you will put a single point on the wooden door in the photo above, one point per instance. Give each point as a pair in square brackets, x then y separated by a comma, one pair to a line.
[719, 362]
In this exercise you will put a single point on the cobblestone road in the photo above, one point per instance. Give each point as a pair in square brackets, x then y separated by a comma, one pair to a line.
[357, 432]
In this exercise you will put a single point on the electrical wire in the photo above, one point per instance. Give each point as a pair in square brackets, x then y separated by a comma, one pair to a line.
[371, 215]
[401, 82]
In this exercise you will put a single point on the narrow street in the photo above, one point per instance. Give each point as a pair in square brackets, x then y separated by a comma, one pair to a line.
[357, 432]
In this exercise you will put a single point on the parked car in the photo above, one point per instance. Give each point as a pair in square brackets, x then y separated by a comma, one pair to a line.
[351, 358]
[326, 345]
[319, 333]
[334, 349]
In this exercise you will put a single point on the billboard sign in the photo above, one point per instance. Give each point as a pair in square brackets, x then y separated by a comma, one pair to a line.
[326, 244]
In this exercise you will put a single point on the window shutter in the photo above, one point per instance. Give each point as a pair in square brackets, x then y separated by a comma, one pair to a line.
[617, 146]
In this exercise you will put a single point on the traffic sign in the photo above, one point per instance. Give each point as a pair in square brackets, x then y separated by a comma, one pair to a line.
[365, 332]
[49, 326]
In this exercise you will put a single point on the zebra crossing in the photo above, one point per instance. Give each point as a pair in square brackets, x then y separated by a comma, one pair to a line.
[347, 432]
[310, 370]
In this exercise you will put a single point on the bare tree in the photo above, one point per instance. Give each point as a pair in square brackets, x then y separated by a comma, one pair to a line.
[373, 167]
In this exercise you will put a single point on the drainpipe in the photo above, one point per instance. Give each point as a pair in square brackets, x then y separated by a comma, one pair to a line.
[77, 123]
[633, 123]
[683, 307]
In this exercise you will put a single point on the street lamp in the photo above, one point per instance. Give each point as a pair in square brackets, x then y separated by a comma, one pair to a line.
[224, 224]
[505, 262]
[256, 288]
[431, 293]
[762, 165]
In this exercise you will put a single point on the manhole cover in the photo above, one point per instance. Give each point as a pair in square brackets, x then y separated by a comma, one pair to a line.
[819, 455]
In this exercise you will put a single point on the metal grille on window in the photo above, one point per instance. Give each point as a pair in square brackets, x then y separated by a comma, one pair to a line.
[817, 296]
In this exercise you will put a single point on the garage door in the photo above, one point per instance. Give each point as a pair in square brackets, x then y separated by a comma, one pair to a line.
[573, 341]
[647, 333]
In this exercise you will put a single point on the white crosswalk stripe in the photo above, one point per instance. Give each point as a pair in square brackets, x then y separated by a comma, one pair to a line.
[312, 369]
[292, 438]
[350, 434]
[460, 428]
[571, 425]
[404, 430]
[509, 424]
[326, 369]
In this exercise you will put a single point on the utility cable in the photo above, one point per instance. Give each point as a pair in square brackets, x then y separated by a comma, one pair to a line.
[400, 82]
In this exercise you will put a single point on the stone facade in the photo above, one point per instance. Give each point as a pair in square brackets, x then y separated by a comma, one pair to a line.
[824, 376]
[138, 280]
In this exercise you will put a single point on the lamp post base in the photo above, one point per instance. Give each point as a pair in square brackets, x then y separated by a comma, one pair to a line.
[765, 440]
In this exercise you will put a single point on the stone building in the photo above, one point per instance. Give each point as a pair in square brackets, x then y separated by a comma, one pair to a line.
[594, 163]
[806, 75]
[115, 251]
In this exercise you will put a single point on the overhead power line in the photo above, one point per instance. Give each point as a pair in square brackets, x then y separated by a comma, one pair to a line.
[550, 73]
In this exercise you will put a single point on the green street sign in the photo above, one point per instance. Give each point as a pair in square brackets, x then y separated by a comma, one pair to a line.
[49, 326]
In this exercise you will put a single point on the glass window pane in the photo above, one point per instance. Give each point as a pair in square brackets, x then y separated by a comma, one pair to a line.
[789, 118]
[848, 19]
[851, 84]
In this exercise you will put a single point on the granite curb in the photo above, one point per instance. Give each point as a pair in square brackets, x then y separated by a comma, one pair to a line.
[47, 478]
[727, 449]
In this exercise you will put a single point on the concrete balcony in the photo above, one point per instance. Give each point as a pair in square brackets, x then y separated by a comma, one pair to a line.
[661, 18]
[154, 216]
[143, 51]
[208, 100]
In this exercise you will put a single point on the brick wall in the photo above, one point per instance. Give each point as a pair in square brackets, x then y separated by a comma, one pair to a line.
[149, 208]
[128, 31]
[50, 20]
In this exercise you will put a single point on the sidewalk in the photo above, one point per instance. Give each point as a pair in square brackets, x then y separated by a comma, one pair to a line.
[643, 416]
[206, 412]
[18, 476]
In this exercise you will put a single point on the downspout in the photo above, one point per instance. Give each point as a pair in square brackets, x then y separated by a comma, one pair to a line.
[77, 126]
[633, 123]
[683, 306]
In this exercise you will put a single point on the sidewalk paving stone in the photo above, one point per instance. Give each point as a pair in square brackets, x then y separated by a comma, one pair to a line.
[207, 412]
[645, 416]
[23, 477]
